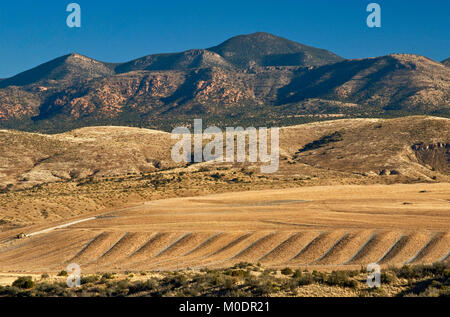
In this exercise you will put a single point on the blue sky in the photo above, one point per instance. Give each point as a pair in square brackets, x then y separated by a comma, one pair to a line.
[33, 32]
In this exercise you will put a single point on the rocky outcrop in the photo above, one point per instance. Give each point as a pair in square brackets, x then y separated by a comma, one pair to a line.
[435, 155]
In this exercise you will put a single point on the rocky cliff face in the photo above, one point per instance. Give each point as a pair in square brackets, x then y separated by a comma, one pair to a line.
[436, 155]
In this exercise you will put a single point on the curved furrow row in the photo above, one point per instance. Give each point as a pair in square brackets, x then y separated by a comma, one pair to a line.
[347, 246]
[127, 245]
[197, 256]
[375, 248]
[224, 257]
[289, 248]
[405, 248]
[175, 252]
[205, 244]
[154, 246]
[120, 251]
[95, 249]
[260, 247]
[446, 258]
[435, 250]
[317, 248]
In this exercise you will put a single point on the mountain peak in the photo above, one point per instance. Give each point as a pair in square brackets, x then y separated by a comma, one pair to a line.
[265, 49]
[446, 62]
[70, 67]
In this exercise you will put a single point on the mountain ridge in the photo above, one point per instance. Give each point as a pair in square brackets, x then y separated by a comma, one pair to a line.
[249, 79]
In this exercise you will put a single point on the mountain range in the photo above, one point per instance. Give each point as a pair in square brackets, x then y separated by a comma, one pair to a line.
[256, 79]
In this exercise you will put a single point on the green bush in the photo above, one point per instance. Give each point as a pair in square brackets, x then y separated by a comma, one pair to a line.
[108, 276]
[50, 289]
[305, 279]
[24, 282]
[89, 279]
[341, 278]
[142, 286]
[287, 271]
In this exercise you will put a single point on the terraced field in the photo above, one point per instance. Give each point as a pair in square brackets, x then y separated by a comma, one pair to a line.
[326, 227]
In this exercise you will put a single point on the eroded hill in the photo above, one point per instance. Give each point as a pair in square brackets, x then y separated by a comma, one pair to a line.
[49, 177]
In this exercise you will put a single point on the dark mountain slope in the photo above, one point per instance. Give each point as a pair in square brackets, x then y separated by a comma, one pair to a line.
[264, 49]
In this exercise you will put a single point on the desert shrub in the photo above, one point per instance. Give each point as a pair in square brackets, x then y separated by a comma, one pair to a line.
[305, 279]
[237, 293]
[174, 281]
[48, 289]
[217, 176]
[142, 286]
[341, 278]
[63, 273]
[239, 273]
[44, 276]
[422, 271]
[118, 289]
[89, 279]
[24, 282]
[229, 283]
[353, 273]
[297, 274]
[289, 285]
[373, 292]
[192, 291]
[210, 279]
[387, 278]
[324, 141]
[260, 286]
[430, 292]
[108, 276]
[287, 271]
[319, 277]
[11, 291]
[242, 265]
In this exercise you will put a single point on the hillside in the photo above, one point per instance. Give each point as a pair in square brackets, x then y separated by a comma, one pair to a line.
[347, 193]
[107, 167]
[409, 148]
[66, 69]
[257, 79]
